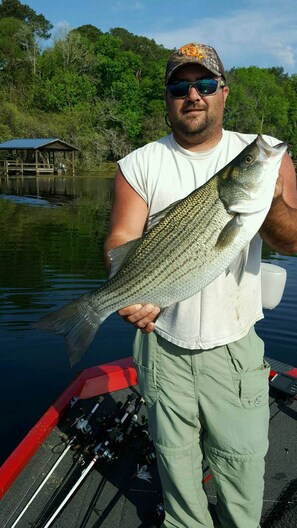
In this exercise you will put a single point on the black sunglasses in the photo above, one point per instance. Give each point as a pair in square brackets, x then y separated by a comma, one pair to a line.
[180, 89]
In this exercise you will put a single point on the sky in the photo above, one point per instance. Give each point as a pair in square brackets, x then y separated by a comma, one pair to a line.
[245, 33]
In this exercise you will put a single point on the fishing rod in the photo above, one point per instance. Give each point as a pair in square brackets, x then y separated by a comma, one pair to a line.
[70, 444]
[109, 447]
[82, 426]
[106, 449]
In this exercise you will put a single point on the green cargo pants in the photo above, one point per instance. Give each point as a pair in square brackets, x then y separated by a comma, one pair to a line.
[213, 404]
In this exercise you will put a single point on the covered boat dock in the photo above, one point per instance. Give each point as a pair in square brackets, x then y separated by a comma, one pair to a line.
[36, 156]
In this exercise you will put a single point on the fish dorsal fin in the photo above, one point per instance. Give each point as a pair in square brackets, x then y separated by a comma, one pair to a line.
[157, 217]
[119, 254]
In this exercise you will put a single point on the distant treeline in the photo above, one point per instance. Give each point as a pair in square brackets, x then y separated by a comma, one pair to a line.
[104, 92]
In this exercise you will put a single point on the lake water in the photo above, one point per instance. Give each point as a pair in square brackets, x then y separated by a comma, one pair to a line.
[52, 231]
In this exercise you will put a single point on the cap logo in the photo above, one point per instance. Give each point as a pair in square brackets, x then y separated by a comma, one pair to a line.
[192, 51]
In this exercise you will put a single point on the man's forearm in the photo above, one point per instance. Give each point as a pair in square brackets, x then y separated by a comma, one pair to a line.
[279, 230]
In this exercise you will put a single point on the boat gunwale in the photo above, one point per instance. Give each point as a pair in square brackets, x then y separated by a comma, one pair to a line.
[90, 382]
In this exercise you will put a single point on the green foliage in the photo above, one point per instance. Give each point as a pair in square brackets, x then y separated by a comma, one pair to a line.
[64, 90]
[90, 32]
[12, 52]
[261, 96]
[15, 122]
[263, 101]
[104, 92]
[38, 24]
[146, 48]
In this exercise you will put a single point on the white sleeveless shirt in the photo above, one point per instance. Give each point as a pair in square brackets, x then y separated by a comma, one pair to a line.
[162, 172]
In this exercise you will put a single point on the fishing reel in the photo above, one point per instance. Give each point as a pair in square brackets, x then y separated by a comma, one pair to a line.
[148, 452]
[81, 428]
[103, 452]
[82, 424]
[114, 429]
[159, 514]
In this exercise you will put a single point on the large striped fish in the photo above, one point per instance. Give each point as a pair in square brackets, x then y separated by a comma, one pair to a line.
[187, 246]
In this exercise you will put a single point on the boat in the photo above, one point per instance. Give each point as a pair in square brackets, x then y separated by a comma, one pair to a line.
[89, 461]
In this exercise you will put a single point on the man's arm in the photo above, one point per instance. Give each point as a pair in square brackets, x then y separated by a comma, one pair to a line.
[279, 230]
[128, 219]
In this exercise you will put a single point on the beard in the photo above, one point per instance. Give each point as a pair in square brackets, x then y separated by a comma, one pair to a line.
[196, 123]
[192, 127]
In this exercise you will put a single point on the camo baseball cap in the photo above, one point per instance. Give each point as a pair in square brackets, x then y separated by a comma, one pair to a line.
[194, 53]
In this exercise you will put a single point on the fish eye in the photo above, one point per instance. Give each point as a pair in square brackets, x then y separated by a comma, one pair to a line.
[249, 159]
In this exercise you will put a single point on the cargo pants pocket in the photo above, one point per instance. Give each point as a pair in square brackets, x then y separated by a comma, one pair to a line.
[249, 370]
[253, 387]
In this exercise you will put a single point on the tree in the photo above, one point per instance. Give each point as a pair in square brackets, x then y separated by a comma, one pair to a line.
[65, 90]
[74, 52]
[257, 102]
[90, 32]
[104, 92]
[146, 48]
[13, 58]
[39, 26]
[118, 74]
[20, 26]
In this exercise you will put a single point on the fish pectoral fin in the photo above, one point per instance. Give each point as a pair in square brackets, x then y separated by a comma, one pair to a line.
[119, 254]
[229, 232]
[238, 265]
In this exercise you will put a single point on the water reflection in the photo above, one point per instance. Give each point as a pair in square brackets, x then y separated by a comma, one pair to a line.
[57, 188]
[52, 233]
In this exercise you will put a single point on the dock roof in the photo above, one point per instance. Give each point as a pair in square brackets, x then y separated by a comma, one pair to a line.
[37, 144]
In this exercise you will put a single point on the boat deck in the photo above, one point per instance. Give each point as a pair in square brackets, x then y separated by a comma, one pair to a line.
[124, 493]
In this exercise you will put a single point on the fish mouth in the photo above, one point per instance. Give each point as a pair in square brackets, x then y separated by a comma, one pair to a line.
[267, 151]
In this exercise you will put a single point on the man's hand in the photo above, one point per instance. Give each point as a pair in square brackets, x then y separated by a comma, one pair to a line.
[142, 316]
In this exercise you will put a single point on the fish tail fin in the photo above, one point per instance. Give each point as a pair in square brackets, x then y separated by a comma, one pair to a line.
[77, 322]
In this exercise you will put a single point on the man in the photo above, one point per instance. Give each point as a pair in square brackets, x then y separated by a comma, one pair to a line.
[200, 363]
